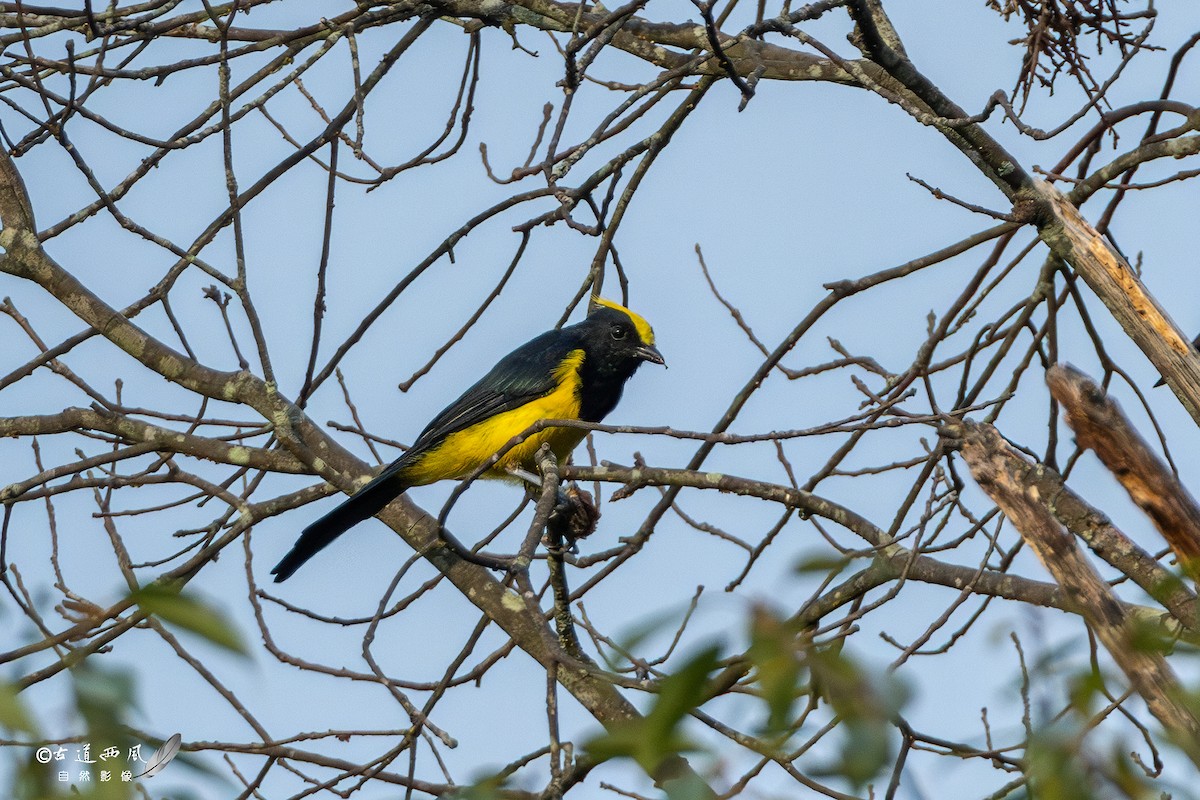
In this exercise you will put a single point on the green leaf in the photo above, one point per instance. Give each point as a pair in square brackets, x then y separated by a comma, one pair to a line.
[103, 697]
[172, 606]
[667, 620]
[684, 690]
[32, 780]
[486, 788]
[650, 739]
[106, 690]
[1147, 636]
[832, 564]
[688, 787]
[867, 702]
[1084, 688]
[1123, 772]
[640, 741]
[13, 714]
[778, 668]
[1053, 766]
[866, 750]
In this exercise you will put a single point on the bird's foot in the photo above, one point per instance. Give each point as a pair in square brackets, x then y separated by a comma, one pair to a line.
[532, 481]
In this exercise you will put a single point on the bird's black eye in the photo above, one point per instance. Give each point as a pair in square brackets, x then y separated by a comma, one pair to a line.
[619, 332]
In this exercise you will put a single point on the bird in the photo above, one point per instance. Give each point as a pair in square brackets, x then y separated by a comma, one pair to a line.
[577, 372]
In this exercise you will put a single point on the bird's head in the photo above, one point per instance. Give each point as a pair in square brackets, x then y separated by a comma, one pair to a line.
[619, 337]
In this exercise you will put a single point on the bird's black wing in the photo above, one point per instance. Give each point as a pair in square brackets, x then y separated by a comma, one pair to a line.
[523, 375]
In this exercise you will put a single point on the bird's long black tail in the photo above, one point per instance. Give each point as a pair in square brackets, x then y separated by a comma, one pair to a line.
[367, 502]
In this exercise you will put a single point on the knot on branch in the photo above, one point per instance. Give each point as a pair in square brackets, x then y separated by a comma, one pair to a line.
[952, 432]
[1029, 209]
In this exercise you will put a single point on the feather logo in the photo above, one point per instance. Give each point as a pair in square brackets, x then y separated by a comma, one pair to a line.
[162, 756]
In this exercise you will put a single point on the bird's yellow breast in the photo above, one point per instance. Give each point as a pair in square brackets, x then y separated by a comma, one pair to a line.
[462, 452]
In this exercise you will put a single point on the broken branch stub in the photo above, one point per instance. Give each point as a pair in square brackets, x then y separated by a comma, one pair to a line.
[1101, 426]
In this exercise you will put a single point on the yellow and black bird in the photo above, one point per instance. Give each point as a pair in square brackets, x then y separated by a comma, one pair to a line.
[577, 372]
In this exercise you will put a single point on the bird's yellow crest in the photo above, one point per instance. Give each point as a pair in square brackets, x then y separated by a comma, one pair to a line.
[644, 331]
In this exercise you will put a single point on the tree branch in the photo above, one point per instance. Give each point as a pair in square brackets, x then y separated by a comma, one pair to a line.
[1100, 425]
[990, 459]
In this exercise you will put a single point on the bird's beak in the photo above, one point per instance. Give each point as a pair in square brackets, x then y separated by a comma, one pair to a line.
[648, 352]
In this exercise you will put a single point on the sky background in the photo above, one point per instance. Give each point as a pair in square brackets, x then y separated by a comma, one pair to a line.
[805, 186]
